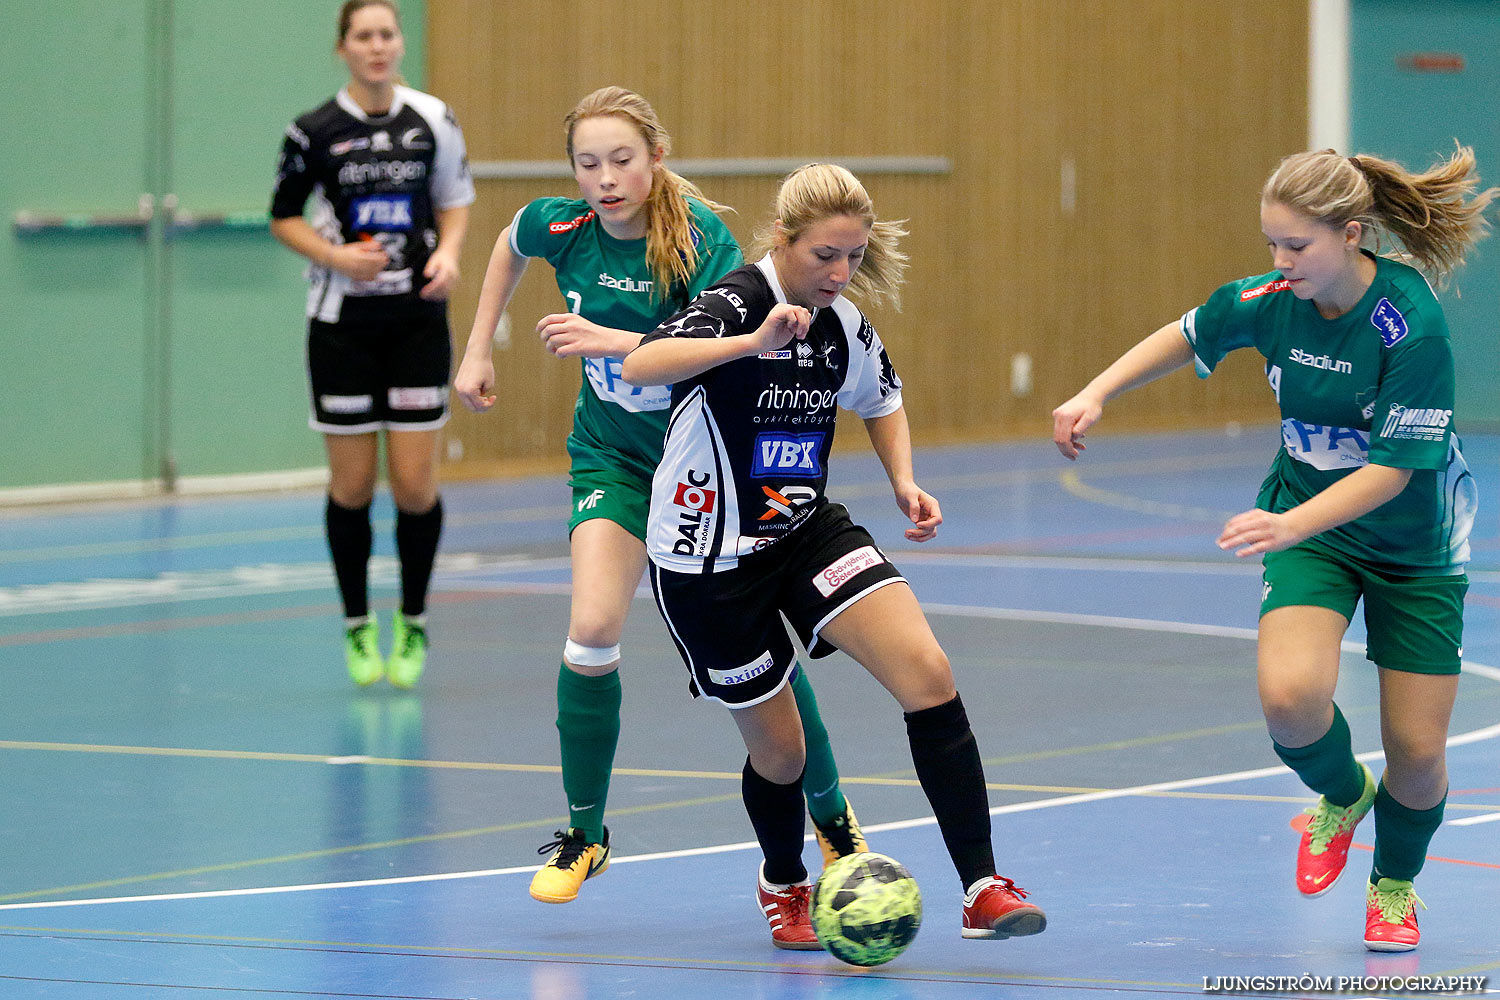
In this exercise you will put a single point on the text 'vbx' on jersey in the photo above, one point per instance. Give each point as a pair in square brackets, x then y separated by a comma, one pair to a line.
[746, 454]
[373, 178]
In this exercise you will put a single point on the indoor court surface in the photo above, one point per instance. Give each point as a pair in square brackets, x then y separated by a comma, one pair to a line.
[197, 804]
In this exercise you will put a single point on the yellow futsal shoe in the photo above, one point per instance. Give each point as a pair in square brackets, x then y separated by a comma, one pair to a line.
[408, 652]
[362, 653]
[573, 860]
[842, 836]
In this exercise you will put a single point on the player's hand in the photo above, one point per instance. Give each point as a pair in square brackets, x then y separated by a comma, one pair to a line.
[475, 383]
[441, 273]
[1258, 531]
[1070, 420]
[922, 509]
[568, 335]
[783, 324]
[361, 260]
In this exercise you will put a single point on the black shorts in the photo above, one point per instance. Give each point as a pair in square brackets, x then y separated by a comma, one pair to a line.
[728, 625]
[382, 366]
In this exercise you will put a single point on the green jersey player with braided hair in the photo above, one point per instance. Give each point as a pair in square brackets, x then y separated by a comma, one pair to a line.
[639, 244]
[1368, 497]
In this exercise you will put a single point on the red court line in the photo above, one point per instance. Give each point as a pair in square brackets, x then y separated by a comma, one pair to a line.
[1299, 823]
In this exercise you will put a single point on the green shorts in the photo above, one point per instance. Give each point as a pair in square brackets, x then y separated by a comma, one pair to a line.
[613, 490]
[1412, 623]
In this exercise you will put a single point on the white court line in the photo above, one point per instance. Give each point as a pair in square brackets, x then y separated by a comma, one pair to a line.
[1474, 820]
[1474, 736]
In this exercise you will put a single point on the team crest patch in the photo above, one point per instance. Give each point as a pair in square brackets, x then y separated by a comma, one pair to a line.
[846, 569]
[1389, 321]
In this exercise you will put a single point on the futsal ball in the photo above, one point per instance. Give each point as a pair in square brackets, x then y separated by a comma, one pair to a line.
[866, 909]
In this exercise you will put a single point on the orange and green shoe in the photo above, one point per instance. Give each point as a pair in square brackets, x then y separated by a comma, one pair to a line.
[1324, 848]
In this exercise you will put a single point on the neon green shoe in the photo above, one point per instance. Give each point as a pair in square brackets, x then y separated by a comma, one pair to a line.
[362, 653]
[408, 652]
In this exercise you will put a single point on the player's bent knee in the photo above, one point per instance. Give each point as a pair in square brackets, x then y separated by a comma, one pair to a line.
[779, 765]
[1416, 755]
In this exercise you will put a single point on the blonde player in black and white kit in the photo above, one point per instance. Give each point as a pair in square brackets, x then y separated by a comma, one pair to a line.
[741, 532]
[386, 169]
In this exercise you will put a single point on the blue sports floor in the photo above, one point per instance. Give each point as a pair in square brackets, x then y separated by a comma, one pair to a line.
[195, 804]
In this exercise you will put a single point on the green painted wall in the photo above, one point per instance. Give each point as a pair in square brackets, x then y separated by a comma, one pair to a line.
[123, 355]
[1414, 117]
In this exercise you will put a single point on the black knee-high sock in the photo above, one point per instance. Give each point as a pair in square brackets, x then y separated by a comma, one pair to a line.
[348, 531]
[416, 545]
[776, 813]
[947, 760]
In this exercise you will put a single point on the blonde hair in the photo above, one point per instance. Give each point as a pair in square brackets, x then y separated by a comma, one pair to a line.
[820, 191]
[1435, 216]
[671, 251]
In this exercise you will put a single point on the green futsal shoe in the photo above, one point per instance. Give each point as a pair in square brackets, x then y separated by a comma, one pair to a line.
[362, 653]
[408, 652]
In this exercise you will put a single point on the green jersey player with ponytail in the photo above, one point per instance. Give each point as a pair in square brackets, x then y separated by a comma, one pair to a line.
[638, 245]
[1368, 497]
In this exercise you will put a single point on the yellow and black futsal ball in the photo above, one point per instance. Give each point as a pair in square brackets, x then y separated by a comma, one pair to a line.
[866, 909]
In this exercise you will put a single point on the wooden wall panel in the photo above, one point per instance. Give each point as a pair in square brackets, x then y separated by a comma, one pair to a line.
[1171, 113]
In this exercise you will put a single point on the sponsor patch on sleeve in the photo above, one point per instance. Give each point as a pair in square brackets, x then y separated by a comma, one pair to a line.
[847, 568]
[694, 497]
[1389, 321]
[1270, 287]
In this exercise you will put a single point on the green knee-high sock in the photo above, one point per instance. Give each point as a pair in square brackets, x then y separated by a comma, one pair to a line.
[1327, 766]
[588, 727]
[820, 783]
[1402, 836]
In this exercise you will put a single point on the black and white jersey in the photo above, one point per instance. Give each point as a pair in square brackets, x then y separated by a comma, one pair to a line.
[746, 455]
[381, 179]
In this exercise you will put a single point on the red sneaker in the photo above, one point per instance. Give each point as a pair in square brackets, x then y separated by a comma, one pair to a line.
[1324, 848]
[995, 907]
[1391, 916]
[785, 907]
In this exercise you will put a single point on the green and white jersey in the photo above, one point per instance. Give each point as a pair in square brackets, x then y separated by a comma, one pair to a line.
[1374, 385]
[608, 282]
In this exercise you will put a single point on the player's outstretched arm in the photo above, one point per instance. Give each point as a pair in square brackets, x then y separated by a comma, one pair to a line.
[890, 436]
[1160, 354]
[569, 335]
[475, 382]
[1254, 532]
[672, 359]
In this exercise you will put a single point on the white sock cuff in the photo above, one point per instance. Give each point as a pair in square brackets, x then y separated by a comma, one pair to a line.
[590, 656]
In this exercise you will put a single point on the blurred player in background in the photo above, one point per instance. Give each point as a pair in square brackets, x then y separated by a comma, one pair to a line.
[386, 168]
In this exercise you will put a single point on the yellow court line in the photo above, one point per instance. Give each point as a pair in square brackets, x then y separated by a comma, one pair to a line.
[442, 951]
[1074, 484]
[553, 821]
